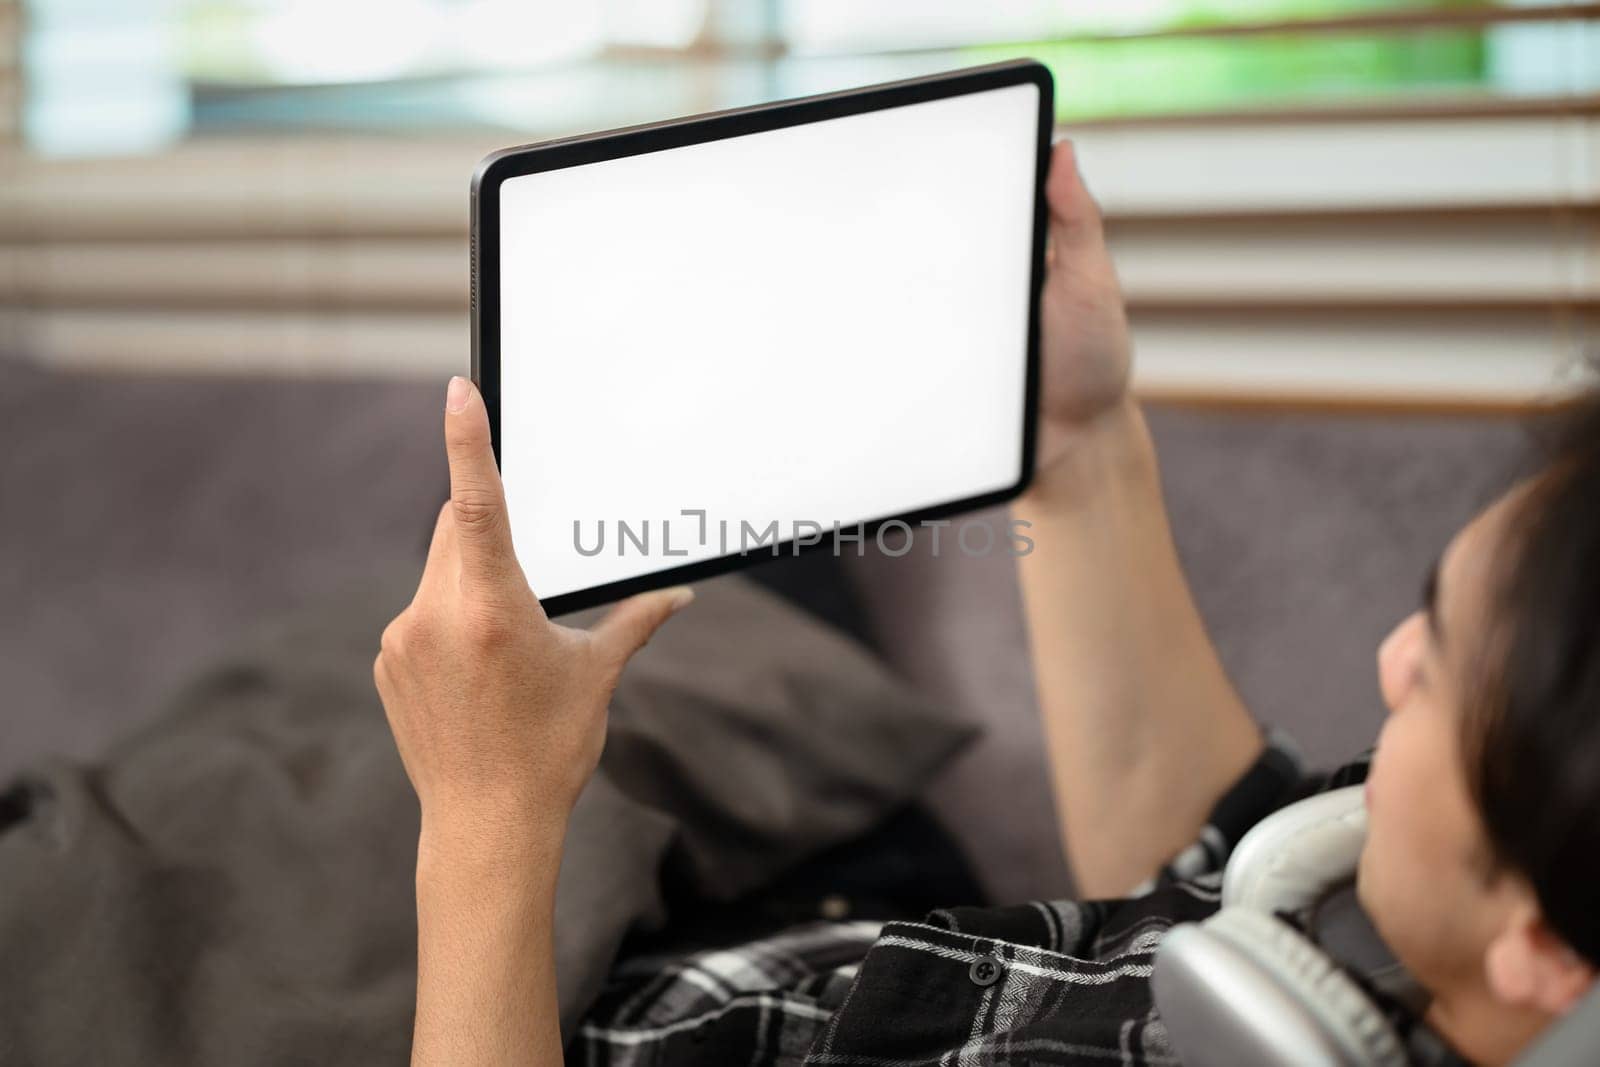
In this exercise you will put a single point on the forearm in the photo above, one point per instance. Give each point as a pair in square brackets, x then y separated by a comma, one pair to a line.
[1144, 730]
[486, 987]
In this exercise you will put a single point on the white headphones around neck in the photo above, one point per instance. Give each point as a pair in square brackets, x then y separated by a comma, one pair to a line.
[1289, 972]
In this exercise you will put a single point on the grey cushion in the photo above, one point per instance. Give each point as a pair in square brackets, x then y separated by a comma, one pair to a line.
[234, 884]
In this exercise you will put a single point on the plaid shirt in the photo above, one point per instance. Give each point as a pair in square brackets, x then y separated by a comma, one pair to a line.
[1057, 982]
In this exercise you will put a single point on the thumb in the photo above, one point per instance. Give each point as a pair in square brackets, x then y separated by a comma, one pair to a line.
[483, 534]
[1074, 216]
[630, 624]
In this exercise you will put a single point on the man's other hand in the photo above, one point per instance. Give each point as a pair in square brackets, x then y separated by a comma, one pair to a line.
[1085, 352]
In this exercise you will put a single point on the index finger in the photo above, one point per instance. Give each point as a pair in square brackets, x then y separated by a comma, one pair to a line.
[482, 529]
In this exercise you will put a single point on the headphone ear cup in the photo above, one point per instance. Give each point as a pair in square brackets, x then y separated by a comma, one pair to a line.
[1349, 1017]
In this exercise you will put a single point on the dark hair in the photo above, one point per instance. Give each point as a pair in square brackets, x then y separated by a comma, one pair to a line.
[1532, 735]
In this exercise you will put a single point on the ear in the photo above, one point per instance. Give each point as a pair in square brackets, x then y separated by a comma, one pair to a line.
[1528, 965]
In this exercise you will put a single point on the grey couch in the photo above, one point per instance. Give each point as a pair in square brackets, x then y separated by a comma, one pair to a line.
[144, 522]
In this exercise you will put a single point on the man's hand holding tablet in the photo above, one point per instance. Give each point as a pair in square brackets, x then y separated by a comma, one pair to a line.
[499, 715]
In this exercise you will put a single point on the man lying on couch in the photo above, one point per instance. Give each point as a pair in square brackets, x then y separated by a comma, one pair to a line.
[1482, 860]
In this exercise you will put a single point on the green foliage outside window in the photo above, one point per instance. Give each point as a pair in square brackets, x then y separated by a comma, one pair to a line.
[1105, 78]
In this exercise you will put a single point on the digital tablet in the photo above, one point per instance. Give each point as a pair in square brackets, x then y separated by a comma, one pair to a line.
[798, 326]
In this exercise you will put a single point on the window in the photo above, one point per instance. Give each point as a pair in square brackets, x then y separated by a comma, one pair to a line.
[120, 75]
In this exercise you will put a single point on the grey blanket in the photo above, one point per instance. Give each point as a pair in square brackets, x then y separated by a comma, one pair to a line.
[235, 883]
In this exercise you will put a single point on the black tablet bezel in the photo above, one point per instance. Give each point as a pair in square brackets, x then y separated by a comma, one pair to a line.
[718, 125]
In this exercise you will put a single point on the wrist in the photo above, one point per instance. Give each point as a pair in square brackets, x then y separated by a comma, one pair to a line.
[484, 846]
[1087, 458]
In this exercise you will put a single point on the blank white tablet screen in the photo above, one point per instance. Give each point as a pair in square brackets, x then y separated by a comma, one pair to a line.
[824, 324]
